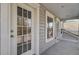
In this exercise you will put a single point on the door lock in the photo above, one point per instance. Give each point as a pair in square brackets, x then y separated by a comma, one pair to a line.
[12, 36]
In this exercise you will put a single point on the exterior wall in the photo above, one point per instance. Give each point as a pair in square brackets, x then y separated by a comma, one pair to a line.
[42, 31]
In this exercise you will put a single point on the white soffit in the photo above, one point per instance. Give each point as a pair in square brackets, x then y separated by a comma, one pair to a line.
[63, 10]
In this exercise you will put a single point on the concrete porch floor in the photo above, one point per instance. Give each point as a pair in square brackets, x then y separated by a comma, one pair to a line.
[67, 46]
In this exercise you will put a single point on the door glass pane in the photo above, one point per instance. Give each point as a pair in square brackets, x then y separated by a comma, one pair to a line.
[25, 47]
[24, 39]
[19, 40]
[19, 44]
[24, 13]
[19, 30]
[24, 25]
[29, 38]
[25, 43]
[19, 21]
[19, 11]
[25, 21]
[29, 30]
[29, 14]
[29, 46]
[19, 50]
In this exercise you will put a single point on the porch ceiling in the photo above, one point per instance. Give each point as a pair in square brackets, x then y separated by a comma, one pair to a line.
[63, 10]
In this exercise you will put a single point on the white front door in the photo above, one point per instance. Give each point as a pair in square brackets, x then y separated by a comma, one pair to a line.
[22, 29]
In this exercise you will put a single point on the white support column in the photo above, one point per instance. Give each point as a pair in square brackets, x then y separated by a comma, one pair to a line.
[37, 44]
[5, 29]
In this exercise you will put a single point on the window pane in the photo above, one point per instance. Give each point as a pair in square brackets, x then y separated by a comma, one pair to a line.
[29, 46]
[19, 21]
[19, 40]
[19, 50]
[24, 30]
[25, 47]
[25, 43]
[29, 38]
[29, 14]
[29, 30]
[19, 45]
[19, 30]
[19, 11]
[49, 27]
[24, 13]
[25, 21]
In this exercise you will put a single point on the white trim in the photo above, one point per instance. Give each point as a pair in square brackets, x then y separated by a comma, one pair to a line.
[5, 29]
[52, 16]
[37, 41]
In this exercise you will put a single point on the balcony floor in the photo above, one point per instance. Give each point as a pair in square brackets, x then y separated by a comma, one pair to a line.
[67, 46]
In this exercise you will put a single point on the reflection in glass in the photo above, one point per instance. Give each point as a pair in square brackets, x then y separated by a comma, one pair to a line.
[24, 25]
[29, 30]
[19, 21]
[19, 30]
[24, 13]
[19, 50]
[19, 39]
[25, 21]
[29, 14]
[25, 47]
[29, 23]
[49, 27]
[19, 11]
[24, 30]
[25, 39]
[29, 46]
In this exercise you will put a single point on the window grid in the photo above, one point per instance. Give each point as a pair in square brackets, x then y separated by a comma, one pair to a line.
[23, 30]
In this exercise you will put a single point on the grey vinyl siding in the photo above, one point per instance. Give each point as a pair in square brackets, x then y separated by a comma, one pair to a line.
[42, 32]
